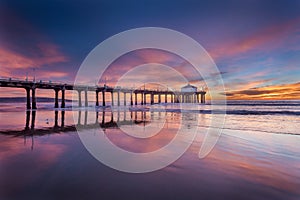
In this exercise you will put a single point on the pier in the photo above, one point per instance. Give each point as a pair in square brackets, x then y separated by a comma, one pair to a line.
[135, 94]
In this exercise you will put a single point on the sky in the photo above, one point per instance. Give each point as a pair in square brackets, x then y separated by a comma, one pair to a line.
[255, 44]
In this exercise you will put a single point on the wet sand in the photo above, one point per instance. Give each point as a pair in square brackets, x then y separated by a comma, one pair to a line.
[54, 164]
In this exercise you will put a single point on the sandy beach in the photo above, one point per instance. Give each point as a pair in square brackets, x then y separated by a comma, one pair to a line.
[49, 161]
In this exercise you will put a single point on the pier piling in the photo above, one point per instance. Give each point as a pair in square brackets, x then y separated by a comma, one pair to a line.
[33, 98]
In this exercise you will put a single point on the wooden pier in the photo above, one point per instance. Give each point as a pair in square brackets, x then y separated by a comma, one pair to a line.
[135, 94]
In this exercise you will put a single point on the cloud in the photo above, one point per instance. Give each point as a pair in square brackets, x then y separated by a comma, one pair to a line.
[266, 39]
[23, 47]
[133, 59]
[14, 60]
[284, 91]
[243, 84]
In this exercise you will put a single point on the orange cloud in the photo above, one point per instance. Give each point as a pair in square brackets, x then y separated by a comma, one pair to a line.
[274, 92]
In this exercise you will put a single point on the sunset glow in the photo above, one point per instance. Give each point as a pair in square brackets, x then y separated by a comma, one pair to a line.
[257, 52]
[150, 99]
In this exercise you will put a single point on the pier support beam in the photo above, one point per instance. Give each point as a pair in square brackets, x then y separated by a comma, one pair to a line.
[118, 97]
[33, 99]
[112, 98]
[152, 98]
[142, 99]
[103, 98]
[166, 98]
[145, 100]
[97, 98]
[86, 104]
[28, 106]
[135, 98]
[159, 98]
[124, 98]
[56, 98]
[202, 98]
[79, 98]
[131, 100]
[63, 101]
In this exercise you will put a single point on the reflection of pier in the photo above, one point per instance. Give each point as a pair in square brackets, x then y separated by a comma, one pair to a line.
[117, 119]
[31, 86]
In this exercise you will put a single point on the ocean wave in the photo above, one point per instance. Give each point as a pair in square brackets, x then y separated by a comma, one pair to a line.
[258, 112]
[261, 104]
[230, 112]
[252, 130]
[237, 112]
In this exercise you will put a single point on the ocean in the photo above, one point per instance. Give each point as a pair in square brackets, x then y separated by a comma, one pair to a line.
[256, 156]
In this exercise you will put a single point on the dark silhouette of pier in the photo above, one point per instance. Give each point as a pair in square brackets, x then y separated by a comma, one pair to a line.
[31, 86]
